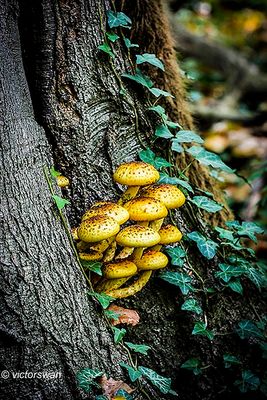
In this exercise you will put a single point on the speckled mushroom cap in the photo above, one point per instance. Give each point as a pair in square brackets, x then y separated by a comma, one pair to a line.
[137, 236]
[169, 234]
[97, 228]
[92, 256]
[152, 260]
[120, 269]
[136, 173]
[169, 195]
[145, 209]
[113, 210]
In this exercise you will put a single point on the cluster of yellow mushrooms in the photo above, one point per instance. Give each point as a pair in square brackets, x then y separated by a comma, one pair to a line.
[127, 236]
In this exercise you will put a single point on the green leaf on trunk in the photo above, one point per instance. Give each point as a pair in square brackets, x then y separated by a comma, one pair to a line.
[227, 271]
[112, 36]
[150, 59]
[116, 19]
[191, 305]
[134, 374]
[94, 266]
[207, 158]
[103, 298]
[192, 364]
[206, 204]
[247, 329]
[54, 173]
[206, 246]
[184, 136]
[106, 49]
[139, 78]
[158, 92]
[163, 132]
[162, 383]
[118, 334]
[176, 146]
[230, 360]
[138, 348]
[181, 280]
[85, 378]
[60, 202]
[236, 286]
[147, 156]
[177, 255]
[249, 381]
[129, 44]
[200, 328]
[112, 315]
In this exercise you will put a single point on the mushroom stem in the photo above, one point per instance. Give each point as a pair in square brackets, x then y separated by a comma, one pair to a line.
[157, 224]
[138, 252]
[157, 247]
[132, 289]
[110, 284]
[124, 253]
[129, 194]
[110, 252]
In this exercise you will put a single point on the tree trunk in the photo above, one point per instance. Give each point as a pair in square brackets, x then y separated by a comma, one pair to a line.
[67, 109]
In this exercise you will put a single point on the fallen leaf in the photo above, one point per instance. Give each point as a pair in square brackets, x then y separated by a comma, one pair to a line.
[111, 386]
[126, 316]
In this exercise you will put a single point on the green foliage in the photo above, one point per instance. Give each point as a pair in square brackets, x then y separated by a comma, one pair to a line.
[85, 378]
[206, 246]
[200, 328]
[230, 360]
[116, 19]
[118, 334]
[206, 204]
[247, 329]
[134, 374]
[177, 255]
[94, 266]
[123, 393]
[163, 132]
[228, 271]
[112, 315]
[207, 158]
[158, 92]
[105, 47]
[112, 36]
[165, 178]
[176, 146]
[185, 136]
[103, 298]
[248, 381]
[248, 229]
[191, 305]
[192, 364]
[162, 383]
[54, 173]
[129, 44]
[236, 286]
[225, 234]
[179, 279]
[139, 78]
[150, 157]
[138, 348]
[150, 59]
[60, 202]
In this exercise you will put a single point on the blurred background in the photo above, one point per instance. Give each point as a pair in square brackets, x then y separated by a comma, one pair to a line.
[223, 48]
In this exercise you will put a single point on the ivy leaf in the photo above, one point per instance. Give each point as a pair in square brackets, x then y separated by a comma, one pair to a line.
[160, 162]
[249, 229]
[54, 173]
[247, 329]
[125, 395]
[147, 156]
[118, 334]
[176, 146]
[228, 271]
[192, 364]
[106, 49]
[206, 204]
[94, 266]
[134, 374]
[139, 78]
[158, 92]
[178, 279]
[191, 305]
[150, 59]
[206, 246]
[225, 234]
[200, 328]
[235, 286]
[116, 19]
[163, 132]
[162, 383]
[184, 136]
[249, 381]
[165, 178]
[207, 158]
[256, 277]
[103, 298]
[230, 360]
[172, 124]
[159, 110]
[129, 44]
[112, 315]
[85, 378]
[185, 185]
[112, 36]
[138, 348]
[60, 202]
[177, 255]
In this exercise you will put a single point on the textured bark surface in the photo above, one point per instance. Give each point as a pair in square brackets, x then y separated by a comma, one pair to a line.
[88, 128]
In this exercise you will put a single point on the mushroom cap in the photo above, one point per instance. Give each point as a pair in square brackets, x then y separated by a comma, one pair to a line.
[113, 210]
[145, 209]
[137, 236]
[120, 269]
[92, 256]
[169, 234]
[98, 228]
[62, 181]
[169, 195]
[152, 260]
[136, 173]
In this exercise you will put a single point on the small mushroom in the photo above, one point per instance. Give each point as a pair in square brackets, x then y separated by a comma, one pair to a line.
[152, 260]
[62, 181]
[168, 234]
[113, 210]
[133, 288]
[135, 174]
[120, 269]
[145, 209]
[98, 228]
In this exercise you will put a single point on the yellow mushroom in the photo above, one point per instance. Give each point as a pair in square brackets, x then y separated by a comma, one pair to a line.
[92, 256]
[145, 209]
[110, 284]
[133, 288]
[120, 269]
[62, 181]
[168, 234]
[113, 210]
[98, 228]
[152, 260]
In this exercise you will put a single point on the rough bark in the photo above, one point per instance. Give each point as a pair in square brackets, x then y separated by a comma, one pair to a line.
[47, 318]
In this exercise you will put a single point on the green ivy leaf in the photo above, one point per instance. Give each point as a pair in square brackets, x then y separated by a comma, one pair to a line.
[236, 286]
[255, 276]
[230, 360]
[185, 136]
[247, 329]
[249, 381]
[173, 125]
[176, 146]
[207, 158]
[118, 334]
[106, 49]
[150, 59]
[248, 229]
[228, 271]
[112, 315]
[225, 234]
[200, 328]
[177, 255]
[163, 132]
[116, 19]
[134, 374]
[112, 36]
[159, 110]
[192, 364]
[147, 156]
[139, 78]
[60, 202]
[191, 305]
[54, 173]
[103, 298]
[123, 393]
[206, 246]
[158, 92]
[160, 162]
[129, 44]
[85, 378]
[206, 204]
[178, 279]
[162, 383]
[138, 348]
[94, 266]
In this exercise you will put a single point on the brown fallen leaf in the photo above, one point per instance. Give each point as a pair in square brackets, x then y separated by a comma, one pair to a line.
[127, 316]
[111, 386]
